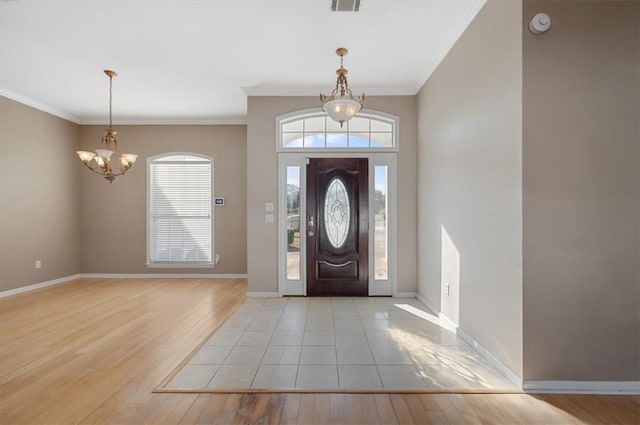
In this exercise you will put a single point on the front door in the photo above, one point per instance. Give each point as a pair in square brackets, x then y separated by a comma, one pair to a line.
[337, 226]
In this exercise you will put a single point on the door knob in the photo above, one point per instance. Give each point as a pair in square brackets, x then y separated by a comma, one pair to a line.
[310, 221]
[310, 233]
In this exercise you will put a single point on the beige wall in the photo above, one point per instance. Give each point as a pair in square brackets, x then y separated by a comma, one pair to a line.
[470, 185]
[582, 192]
[38, 196]
[262, 175]
[113, 217]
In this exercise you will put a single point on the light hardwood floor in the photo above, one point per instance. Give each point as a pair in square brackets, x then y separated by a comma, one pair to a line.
[91, 352]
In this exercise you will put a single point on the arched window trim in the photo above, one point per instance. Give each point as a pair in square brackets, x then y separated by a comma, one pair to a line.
[317, 112]
[154, 158]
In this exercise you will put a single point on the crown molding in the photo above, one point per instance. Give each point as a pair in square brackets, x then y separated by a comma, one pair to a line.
[39, 106]
[468, 17]
[168, 121]
[315, 91]
[135, 121]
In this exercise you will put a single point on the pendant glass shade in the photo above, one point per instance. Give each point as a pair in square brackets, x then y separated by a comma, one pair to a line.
[341, 110]
[85, 156]
[129, 158]
[341, 105]
[105, 154]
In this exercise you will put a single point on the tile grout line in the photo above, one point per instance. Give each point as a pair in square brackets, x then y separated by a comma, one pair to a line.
[251, 316]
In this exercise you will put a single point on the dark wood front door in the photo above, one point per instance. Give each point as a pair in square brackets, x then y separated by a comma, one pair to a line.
[337, 226]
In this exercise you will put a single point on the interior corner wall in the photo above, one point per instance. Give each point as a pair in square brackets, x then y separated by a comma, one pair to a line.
[114, 216]
[262, 180]
[38, 196]
[581, 151]
[470, 183]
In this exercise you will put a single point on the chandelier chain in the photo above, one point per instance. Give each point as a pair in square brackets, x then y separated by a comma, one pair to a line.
[110, 96]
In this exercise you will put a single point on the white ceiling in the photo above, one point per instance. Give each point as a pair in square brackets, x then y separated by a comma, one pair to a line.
[196, 61]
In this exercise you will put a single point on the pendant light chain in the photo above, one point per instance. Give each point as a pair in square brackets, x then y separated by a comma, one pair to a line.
[110, 96]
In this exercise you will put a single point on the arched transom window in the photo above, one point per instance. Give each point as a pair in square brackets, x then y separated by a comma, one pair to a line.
[314, 130]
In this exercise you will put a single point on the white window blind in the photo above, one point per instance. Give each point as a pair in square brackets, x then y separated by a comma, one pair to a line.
[180, 211]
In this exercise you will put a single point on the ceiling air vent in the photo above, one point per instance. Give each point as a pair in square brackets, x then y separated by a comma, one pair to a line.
[345, 5]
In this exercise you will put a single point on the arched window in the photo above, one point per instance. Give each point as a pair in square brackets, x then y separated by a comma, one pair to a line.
[180, 219]
[314, 130]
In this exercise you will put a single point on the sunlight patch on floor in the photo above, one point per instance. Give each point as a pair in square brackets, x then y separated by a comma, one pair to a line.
[341, 343]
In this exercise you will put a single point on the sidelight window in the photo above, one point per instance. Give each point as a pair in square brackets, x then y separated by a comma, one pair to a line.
[381, 214]
[293, 222]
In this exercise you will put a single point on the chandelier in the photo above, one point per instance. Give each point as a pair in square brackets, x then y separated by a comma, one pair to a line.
[100, 161]
[344, 107]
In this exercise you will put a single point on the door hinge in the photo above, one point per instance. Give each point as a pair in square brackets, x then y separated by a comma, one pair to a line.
[307, 161]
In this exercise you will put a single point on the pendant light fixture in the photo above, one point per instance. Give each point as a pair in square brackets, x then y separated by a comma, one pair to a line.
[101, 161]
[341, 105]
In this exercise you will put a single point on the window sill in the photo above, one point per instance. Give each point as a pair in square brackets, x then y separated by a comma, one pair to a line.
[180, 265]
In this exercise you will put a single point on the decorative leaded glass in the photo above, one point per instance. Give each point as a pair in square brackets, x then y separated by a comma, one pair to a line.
[337, 212]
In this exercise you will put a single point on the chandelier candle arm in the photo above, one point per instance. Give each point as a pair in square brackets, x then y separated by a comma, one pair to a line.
[100, 161]
[341, 109]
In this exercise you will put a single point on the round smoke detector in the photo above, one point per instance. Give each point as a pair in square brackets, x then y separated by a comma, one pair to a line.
[540, 23]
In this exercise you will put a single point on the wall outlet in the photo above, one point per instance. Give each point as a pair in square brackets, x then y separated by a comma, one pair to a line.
[217, 258]
[447, 290]
[38, 264]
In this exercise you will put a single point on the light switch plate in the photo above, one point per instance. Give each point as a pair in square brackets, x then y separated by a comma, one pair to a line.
[268, 218]
[269, 207]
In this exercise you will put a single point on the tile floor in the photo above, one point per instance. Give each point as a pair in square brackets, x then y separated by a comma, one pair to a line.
[336, 343]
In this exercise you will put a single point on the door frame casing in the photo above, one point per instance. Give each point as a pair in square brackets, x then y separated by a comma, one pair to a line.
[376, 287]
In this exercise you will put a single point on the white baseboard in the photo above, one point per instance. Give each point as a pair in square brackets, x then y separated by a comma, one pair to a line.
[427, 304]
[444, 320]
[117, 276]
[486, 354]
[39, 285]
[382, 293]
[161, 276]
[405, 295]
[490, 358]
[379, 289]
[582, 387]
[448, 323]
[262, 294]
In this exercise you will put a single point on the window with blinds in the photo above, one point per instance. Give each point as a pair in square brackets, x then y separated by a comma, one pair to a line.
[180, 218]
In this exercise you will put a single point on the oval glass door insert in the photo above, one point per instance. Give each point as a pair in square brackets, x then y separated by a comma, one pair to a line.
[337, 212]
